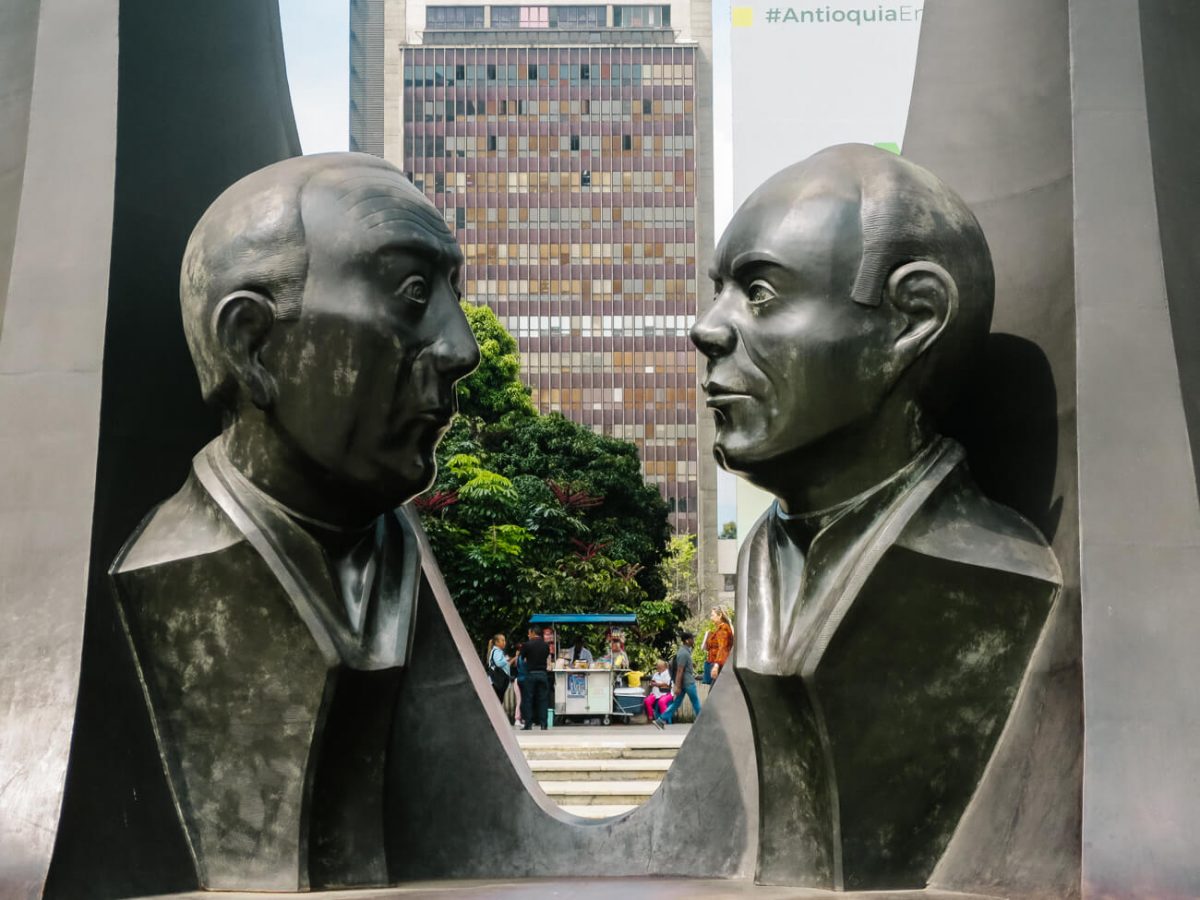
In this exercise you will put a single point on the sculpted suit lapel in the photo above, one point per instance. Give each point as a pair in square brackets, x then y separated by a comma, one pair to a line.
[219, 592]
[298, 561]
[884, 678]
[784, 630]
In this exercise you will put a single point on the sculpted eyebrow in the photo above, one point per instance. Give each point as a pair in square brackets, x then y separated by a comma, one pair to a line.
[754, 258]
[446, 253]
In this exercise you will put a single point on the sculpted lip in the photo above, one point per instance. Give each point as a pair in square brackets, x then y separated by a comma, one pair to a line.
[720, 395]
[438, 415]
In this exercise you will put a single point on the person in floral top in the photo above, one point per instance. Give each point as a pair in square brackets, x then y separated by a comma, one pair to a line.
[718, 644]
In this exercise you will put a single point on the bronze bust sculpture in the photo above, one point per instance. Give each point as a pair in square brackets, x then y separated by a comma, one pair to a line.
[886, 609]
[270, 603]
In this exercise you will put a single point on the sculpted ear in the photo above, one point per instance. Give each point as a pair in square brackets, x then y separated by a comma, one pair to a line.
[927, 296]
[242, 321]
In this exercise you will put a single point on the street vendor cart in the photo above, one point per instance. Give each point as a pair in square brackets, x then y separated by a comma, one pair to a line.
[584, 690]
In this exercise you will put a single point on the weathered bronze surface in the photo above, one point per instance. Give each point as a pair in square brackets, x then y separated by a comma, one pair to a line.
[886, 608]
[270, 603]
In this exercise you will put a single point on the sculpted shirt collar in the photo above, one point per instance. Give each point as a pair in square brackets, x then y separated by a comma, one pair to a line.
[811, 565]
[805, 527]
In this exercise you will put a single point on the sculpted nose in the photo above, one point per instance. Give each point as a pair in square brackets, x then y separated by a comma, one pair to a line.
[713, 334]
[456, 352]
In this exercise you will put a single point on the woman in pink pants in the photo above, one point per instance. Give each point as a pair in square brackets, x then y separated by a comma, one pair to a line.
[659, 698]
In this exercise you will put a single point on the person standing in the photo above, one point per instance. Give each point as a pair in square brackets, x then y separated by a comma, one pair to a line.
[684, 681]
[717, 645]
[497, 666]
[520, 671]
[536, 693]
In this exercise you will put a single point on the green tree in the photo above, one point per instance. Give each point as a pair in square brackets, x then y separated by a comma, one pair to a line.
[494, 389]
[729, 531]
[631, 517]
[534, 512]
[678, 573]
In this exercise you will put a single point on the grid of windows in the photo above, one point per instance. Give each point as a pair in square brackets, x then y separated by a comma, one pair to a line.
[569, 176]
[454, 18]
[641, 16]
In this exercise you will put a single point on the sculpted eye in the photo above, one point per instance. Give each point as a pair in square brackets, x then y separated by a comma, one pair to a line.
[414, 288]
[760, 292]
[718, 286]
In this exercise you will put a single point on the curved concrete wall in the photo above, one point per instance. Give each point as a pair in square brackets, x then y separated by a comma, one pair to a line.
[18, 40]
[51, 341]
[1139, 515]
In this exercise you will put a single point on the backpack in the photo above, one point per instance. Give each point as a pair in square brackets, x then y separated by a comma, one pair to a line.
[498, 677]
[673, 666]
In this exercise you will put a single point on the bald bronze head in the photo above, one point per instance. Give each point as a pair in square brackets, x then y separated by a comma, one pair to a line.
[852, 291]
[320, 303]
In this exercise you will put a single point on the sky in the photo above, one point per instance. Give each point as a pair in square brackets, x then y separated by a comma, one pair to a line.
[316, 41]
[316, 45]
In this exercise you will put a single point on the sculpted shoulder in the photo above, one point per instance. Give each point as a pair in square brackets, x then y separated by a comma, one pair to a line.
[960, 524]
[186, 525]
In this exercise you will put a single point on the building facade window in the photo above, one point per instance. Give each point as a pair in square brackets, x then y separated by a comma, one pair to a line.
[641, 16]
[534, 17]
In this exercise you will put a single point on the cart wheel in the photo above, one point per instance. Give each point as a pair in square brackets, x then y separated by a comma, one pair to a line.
[607, 720]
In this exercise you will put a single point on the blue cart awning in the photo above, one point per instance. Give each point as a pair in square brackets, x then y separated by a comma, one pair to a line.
[583, 619]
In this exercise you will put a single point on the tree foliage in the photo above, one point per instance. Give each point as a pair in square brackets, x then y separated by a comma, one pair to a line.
[678, 573]
[535, 513]
[495, 388]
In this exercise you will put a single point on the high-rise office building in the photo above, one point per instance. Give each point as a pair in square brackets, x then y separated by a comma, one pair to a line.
[569, 148]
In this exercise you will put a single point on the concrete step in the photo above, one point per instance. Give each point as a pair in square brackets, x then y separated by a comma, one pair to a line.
[595, 743]
[599, 810]
[599, 793]
[600, 769]
[598, 753]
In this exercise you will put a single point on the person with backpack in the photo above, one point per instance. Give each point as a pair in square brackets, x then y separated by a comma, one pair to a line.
[497, 666]
[683, 681]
